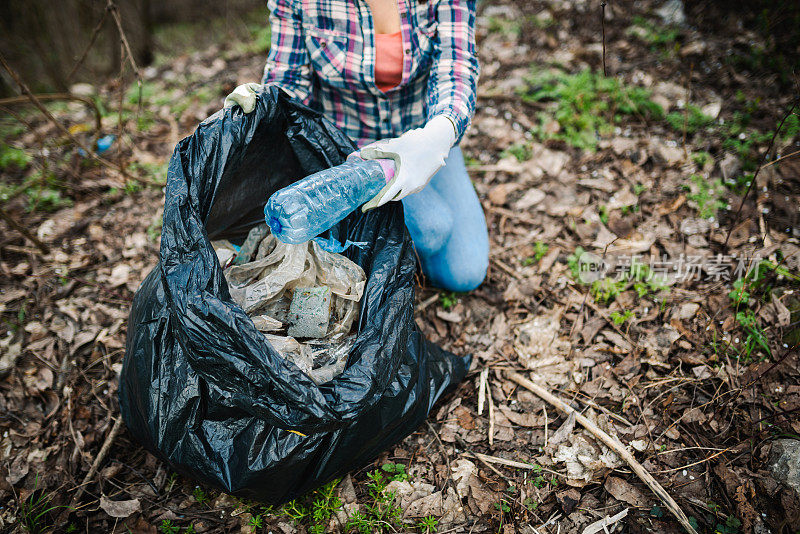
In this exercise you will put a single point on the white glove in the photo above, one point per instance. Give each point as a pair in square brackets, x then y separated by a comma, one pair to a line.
[418, 154]
[244, 96]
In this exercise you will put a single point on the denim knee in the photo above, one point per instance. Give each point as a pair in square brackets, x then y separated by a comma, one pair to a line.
[460, 278]
[433, 232]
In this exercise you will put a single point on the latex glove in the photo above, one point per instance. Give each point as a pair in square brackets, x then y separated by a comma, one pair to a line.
[244, 96]
[417, 154]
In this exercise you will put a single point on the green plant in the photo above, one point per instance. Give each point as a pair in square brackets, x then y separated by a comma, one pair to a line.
[171, 481]
[200, 496]
[620, 318]
[658, 36]
[13, 157]
[505, 26]
[691, 120]
[521, 151]
[603, 211]
[573, 262]
[46, 199]
[35, 509]
[755, 338]
[707, 196]
[701, 157]
[428, 524]
[167, 527]
[731, 525]
[739, 294]
[314, 509]
[585, 105]
[606, 289]
[448, 299]
[154, 228]
[530, 504]
[503, 506]
[539, 250]
[396, 471]
[380, 512]
[256, 521]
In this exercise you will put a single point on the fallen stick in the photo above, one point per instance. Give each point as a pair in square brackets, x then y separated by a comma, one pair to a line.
[511, 463]
[482, 389]
[612, 443]
[97, 461]
[22, 230]
[488, 393]
[603, 524]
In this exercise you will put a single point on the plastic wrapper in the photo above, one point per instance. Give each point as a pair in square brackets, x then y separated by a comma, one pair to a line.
[204, 390]
[264, 286]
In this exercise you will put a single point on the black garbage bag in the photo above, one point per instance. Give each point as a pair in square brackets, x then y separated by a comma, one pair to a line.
[203, 390]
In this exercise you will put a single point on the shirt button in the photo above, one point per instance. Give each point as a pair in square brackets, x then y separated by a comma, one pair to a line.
[408, 50]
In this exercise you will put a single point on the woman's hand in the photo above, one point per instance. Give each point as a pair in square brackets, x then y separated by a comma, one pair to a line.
[244, 96]
[418, 154]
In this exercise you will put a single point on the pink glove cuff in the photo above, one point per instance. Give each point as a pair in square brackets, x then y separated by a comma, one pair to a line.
[388, 168]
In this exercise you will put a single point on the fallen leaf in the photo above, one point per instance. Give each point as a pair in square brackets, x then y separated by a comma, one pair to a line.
[625, 492]
[564, 431]
[17, 470]
[568, 499]
[120, 509]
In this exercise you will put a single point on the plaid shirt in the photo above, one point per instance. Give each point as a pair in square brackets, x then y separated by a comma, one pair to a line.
[323, 52]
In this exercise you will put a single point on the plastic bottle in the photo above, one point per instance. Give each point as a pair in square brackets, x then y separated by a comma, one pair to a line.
[305, 209]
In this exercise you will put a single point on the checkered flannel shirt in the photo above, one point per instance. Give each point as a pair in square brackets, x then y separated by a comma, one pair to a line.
[323, 52]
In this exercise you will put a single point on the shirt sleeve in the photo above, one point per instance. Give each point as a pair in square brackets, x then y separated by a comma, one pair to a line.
[453, 81]
[287, 62]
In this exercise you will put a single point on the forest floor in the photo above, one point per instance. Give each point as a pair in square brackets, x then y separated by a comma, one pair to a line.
[685, 348]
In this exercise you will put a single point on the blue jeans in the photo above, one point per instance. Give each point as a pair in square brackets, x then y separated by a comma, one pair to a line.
[448, 227]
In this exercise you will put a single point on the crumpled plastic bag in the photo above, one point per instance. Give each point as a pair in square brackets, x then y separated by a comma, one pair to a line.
[203, 389]
[264, 289]
[264, 286]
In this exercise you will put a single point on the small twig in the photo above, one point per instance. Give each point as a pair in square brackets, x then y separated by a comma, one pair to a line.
[512, 215]
[613, 443]
[427, 302]
[758, 170]
[446, 456]
[24, 231]
[98, 125]
[115, 430]
[603, 524]
[112, 7]
[508, 270]
[603, 24]
[778, 160]
[491, 414]
[608, 320]
[82, 57]
[673, 469]
[482, 389]
[36, 102]
[546, 424]
[512, 463]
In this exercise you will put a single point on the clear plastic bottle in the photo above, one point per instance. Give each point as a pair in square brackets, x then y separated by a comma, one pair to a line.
[305, 209]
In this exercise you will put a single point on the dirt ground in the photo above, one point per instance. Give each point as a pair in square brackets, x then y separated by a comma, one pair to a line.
[684, 348]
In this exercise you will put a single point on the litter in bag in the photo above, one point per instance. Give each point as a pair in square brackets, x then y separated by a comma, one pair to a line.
[203, 389]
[267, 284]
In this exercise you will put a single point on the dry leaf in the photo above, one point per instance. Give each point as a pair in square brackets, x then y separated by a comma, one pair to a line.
[622, 491]
[120, 509]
